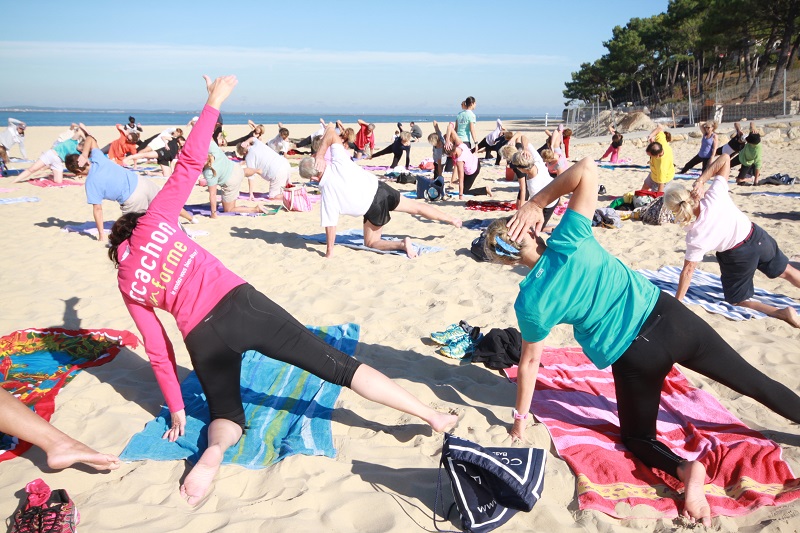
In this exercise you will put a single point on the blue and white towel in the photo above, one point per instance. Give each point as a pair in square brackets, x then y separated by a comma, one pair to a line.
[20, 200]
[287, 410]
[354, 238]
[706, 291]
[787, 194]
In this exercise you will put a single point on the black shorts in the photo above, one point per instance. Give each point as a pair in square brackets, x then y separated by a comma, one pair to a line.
[165, 156]
[759, 251]
[386, 200]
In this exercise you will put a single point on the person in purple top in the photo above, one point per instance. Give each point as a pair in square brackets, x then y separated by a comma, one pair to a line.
[220, 315]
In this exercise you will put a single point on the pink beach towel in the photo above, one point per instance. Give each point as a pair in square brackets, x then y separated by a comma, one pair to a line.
[44, 182]
[577, 403]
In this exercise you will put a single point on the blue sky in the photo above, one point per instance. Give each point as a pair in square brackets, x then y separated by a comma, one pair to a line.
[313, 56]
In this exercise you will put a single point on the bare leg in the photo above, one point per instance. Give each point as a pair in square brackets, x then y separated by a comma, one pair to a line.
[58, 175]
[222, 434]
[375, 386]
[148, 153]
[231, 207]
[372, 238]
[26, 174]
[187, 215]
[693, 475]
[61, 449]
[166, 170]
[787, 314]
[422, 209]
[792, 275]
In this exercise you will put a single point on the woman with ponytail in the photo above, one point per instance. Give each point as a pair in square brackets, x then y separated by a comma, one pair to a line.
[220, 315]
[621, 320]
[714, 224]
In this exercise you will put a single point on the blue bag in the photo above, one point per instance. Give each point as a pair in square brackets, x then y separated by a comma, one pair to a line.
[435, 192]
[490, 484]
[422, 186]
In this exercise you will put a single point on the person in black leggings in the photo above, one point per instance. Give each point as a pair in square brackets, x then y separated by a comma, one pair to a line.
[401, 144]
[621, 320]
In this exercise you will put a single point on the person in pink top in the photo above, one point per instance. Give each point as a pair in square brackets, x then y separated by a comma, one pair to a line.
[714, 224]
[466, 165]
[220, 315]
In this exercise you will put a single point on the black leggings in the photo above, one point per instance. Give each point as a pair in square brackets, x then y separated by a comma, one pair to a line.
[397, 149]
[141, 145]
[244, 319]
[493, 147]
[693, 162]
[469, 179]
[674, 334]
[236, 142]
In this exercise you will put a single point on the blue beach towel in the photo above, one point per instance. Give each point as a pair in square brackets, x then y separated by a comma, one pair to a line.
[20, 200]
[786, 194]
[354, 238]
[287, 410]
[205, 210]
[706, 291]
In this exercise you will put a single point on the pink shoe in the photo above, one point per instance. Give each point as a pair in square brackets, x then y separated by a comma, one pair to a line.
[45, 511]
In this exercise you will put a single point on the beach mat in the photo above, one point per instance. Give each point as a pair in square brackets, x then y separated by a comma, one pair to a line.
[354, 238]
[19, 200]
[205, 210]
[7, 189]
[36, 363]
[46, 183]
[786, 194]
[491, 205]
[706, 291]
[287, 410]
[90, 228]
[576, 401]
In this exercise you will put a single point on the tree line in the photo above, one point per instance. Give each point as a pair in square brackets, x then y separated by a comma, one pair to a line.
[696, 41]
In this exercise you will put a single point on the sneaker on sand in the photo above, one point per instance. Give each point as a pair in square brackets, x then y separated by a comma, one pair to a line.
[458, 349]
[45, 511]
[452, 333]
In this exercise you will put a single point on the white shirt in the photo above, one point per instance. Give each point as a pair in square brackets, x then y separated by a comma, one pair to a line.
[347, 189]
[542, 179]
[11, 136]
[279, 145]
[158, 143]
[720, 225]
[266, 161]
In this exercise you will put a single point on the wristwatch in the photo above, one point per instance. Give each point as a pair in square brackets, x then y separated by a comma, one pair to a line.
[518, 416]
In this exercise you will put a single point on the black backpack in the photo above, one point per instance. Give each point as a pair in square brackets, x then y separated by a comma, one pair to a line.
[477, 250]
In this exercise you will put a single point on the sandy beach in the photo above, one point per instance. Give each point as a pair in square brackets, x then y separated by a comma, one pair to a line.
[384, 476]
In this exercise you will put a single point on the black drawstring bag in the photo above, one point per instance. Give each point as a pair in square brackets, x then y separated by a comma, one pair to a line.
[489, 484]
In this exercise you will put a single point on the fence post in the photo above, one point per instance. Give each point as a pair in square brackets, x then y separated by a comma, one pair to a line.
[545, 119]
[691, 109]
[784, 90]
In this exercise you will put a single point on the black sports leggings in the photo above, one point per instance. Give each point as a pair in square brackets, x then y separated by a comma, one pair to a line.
[244, 319]
[469, 180]
[693, 163]
[674, 334]
[397, 149]
[493, 147]
[236, 142]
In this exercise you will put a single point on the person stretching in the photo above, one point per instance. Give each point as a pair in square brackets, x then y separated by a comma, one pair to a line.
[714, 223]
[402, 143]
[348, 189]
[620, 319]
[262, 160]
[708, 147]
[466, 165]
[220, 171]
[220, 316]
[662, 164]
[616, 143]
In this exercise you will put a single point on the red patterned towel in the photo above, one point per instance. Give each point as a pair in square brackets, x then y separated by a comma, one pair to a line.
[491, 205]
[577, 404]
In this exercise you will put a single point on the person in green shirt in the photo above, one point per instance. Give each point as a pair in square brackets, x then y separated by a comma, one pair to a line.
[621, 320]
[749, 157]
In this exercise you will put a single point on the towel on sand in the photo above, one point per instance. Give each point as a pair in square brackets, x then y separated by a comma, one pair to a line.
[354, 238]
[706, 291]
[90, 228]
[48, 183]
[205, 210]
[36, 363]
[287, 410]
[786, 194]
[20, 200]
[576, 401]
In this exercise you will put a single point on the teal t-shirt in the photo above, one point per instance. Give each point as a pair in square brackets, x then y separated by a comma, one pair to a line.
[576, 281]
[463, 121]
[223, 167]
[63, 149]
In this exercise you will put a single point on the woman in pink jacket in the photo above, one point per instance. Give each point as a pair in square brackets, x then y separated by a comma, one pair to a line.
[220, 315]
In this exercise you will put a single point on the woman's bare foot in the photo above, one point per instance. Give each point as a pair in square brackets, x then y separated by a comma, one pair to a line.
[66, 454]
[489, 192]
[693, 475]
[409, 247]
[442, 422]
[788, 315]
[196, 484]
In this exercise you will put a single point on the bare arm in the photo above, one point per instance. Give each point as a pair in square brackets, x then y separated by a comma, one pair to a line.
[655, 132]
[580, 179]
[685, 279]
[212, 199]
[362, 123]
[330, 240]
[97, 212]
[528, 371]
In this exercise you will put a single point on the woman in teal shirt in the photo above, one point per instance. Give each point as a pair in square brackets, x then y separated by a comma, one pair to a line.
[465, 122]
[620, 319]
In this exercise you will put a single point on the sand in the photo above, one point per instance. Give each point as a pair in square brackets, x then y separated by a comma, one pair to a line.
[384, 477]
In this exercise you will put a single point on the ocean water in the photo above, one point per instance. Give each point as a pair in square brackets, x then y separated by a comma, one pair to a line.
[109, 118]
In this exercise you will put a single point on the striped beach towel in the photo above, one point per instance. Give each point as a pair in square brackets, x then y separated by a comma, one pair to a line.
[36, 363]
[576, 401]
[20, 200]
[706, 291]
[354, 238]
[287, 410]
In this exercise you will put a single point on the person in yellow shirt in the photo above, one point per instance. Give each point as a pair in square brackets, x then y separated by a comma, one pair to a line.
[662, 163]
